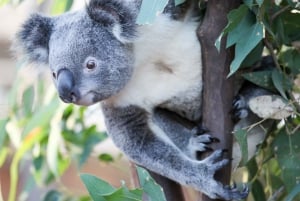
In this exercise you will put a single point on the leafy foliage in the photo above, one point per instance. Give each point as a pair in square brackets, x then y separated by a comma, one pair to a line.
[269, 27]
[255, 28]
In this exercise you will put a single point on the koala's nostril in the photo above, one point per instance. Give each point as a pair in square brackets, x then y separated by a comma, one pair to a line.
[73, 96]
[54, 75]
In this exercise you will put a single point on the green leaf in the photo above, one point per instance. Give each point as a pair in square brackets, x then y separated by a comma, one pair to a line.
[61, 6]
[245, 46]
[292, 195]
[42, 117]
[278, 81]
[241, 138]
[3, 154]
[96, 187]
[88, 146]
[261, 78]
[3, 134]
[259, 2]
[178, 2]
[53, 195]
[125, 195]
[290, 58]
[35, 136]
[249, 3]
[3, 2]
[287, 151]
[106, 158]
[252, 168]
[149, 10]
[291, 26]
[150, 187]
[234, 18]
[27, 100]
[254, 56]
[257, 190]
[242, 29]
[68, 112]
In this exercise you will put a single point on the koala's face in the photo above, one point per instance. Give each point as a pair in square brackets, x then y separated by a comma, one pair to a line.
[89, 51]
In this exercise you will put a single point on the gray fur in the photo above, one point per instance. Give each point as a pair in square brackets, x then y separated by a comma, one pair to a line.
[91, 56]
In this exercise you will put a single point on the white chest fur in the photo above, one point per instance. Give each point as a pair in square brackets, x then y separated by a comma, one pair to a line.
[167, 64]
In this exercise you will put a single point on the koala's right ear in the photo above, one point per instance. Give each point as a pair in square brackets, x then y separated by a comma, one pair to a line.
[33, 38]
[119, 15]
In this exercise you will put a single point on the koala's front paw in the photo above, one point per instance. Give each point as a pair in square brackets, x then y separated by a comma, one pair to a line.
[240, 108]
[215, 189]
[201, 139]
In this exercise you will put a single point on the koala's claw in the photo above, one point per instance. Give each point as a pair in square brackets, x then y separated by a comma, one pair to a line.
[200, 130]
[233, 193]
[200, 143]
[239, 108]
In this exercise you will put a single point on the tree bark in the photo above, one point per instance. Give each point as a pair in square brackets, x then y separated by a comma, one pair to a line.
[172, 190]
[218, 91]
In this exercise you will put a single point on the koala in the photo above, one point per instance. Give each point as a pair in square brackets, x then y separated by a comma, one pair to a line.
[99, 54]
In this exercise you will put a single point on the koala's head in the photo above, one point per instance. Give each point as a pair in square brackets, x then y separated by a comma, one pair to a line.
[89, 51]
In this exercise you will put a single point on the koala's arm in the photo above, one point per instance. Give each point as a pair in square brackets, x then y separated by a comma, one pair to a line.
[146, 144]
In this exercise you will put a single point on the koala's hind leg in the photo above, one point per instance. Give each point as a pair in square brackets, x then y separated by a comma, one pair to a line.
[188, 136]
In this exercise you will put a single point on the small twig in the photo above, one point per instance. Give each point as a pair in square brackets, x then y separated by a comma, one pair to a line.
[278, 13]
[134, 176]
[271, 50]
[294, 100]
[276, 194]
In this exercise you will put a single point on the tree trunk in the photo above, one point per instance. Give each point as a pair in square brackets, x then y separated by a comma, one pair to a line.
[218, 91]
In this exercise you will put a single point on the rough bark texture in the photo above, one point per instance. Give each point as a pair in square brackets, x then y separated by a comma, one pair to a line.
[172, 190]
[218, 90]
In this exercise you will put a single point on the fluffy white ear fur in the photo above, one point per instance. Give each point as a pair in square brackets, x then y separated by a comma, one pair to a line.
[117, 32]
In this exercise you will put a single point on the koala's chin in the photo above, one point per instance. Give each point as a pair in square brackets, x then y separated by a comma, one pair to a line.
[87, 99]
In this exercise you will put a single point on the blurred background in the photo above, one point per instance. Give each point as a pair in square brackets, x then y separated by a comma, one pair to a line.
[105, 161]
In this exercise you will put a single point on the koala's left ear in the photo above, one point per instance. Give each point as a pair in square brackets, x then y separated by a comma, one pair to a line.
[33, 38]
[119, 15]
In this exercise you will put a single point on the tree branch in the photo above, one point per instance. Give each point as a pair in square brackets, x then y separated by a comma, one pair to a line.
[218, 91]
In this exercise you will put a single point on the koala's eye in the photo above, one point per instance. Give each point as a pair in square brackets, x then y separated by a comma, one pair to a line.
[91, 64]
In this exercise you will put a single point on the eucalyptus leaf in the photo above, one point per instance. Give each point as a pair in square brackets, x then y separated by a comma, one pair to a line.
[252, 167]
[106, 158]
[257, 191]
[150, 187]
[27, 100]
[149, 10]
[96, 187]
[292, 195]
[234, 18]
[178, 2]
[242, 29]
[261, 78]
[41, 117]
[125, 195]
[88, 146]
[53, 195]
[290, 58]
[259, 2]
[249, 3]
[245, 46]
[241, 138]
[61, 6]
[287, 151]
[278, 81]
[3, 134]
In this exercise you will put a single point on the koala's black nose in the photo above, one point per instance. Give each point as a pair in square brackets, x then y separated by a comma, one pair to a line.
[65, 86]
